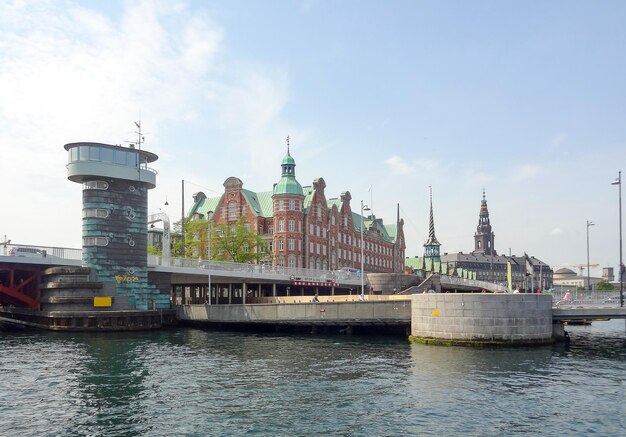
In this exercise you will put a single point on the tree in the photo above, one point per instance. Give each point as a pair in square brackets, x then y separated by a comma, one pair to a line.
[238, 244]
[604, 285]
[154, 250]
[228, 242]
[197, 238]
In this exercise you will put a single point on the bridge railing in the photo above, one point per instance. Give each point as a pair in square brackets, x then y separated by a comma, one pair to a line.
[294, 274]
[454, 280]
[27, 250]
[585, 297]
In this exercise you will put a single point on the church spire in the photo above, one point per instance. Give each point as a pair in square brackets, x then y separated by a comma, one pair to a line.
[483, 238]
[431, 248]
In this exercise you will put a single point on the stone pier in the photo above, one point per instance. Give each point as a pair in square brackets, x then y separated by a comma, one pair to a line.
[481, 319]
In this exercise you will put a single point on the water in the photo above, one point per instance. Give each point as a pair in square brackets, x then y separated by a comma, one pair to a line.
[194, 382]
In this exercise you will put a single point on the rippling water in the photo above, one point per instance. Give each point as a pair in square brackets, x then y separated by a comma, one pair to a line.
[195, 382]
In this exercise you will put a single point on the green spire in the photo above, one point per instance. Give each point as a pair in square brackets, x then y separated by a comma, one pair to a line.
[288, 183]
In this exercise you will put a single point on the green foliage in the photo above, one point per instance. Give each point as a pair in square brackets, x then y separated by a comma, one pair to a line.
[228, 242]
[153, 250]
[237, 244]
[604, 285]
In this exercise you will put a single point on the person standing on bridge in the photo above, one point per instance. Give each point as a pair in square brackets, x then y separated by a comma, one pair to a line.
[315, 299]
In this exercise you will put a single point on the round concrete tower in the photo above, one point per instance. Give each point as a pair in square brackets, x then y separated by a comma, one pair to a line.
[115, 183]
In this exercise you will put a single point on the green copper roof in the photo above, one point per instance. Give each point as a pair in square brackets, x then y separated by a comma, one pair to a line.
[288, 185]
[308, 196]
[288, 160]
[204, 205]
[264, 198]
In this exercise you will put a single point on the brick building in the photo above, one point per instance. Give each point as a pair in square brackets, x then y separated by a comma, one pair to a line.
[303, 228]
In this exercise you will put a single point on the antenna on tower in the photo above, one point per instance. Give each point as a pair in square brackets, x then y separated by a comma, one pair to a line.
[140, 138]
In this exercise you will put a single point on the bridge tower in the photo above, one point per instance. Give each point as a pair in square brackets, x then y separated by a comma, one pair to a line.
[432, 246]
[115, 182]
[484, 236]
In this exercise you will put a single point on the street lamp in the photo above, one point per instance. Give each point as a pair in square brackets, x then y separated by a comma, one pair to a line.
[210, 230]
[589, 223]
[363, 208]
[182, 219]
[618, 181]
[588, 278]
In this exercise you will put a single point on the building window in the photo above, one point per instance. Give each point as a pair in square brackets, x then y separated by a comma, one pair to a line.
[292, 225]
[247, 226]
[96, 185]
[281, 225]
[291, 262]
[95, 212]
[332, 220]
[292, 204]
[291, 244]
[281, 245]
[318, 249]
[95, 241]
[270, 229]
[232, 210]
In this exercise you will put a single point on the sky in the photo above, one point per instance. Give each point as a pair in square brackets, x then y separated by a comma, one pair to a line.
[525, 100]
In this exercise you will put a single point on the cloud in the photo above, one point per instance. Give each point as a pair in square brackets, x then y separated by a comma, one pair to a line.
[398, 166]
[71, 73]
[77, 73]
[525, 171]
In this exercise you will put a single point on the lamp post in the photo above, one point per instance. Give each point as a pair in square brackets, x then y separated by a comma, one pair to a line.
[182, 219]
[618, 181]
[210, 229]
[589, 223]
[363, 208]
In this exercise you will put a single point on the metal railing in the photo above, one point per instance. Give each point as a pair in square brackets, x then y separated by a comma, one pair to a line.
[585, 297]
[252, 270]
[454, 280]
[29, 251]
[214, 267]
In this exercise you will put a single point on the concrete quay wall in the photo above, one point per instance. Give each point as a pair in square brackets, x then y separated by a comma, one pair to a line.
[328, 313]
[469, 318]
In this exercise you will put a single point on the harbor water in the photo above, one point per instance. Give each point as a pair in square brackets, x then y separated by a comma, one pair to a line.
[194, 382]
